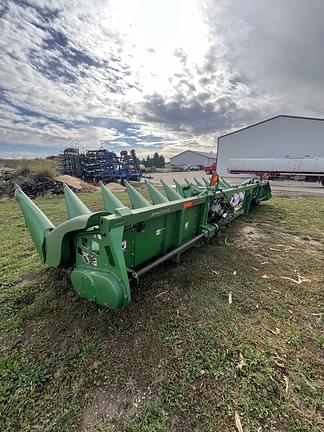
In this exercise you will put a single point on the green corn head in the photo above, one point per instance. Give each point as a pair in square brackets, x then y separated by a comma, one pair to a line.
[107, 250]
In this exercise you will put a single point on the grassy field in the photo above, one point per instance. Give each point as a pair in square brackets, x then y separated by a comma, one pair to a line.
[180, 357]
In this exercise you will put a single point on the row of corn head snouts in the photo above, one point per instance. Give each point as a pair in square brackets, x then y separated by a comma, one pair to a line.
[107, 249]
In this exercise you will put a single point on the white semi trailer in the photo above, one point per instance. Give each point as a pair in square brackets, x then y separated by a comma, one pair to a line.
[308, 169]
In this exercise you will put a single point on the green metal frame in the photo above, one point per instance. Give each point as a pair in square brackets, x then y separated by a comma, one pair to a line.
[106, 250]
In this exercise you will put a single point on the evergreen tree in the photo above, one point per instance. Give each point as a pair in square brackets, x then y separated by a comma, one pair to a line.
[157, 161]
[162, 161]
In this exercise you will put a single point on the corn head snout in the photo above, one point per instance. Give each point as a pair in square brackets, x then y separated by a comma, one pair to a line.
[107, 250]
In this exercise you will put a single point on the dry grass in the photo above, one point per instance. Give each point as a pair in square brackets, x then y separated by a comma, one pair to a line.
[43, 167]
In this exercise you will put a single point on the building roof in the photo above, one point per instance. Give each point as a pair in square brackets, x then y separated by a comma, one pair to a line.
[209, 155]
[272, 118]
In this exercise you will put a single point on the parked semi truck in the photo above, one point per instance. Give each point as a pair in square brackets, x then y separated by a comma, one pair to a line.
[308, 169]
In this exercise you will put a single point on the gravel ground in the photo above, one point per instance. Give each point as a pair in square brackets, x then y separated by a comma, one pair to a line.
[282, 188]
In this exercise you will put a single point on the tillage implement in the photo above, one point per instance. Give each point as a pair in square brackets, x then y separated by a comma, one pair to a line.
[107, 250]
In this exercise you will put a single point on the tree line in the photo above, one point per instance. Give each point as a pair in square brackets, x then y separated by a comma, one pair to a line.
[156, 161]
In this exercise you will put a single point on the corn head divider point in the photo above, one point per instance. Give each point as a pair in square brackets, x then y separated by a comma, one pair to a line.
[106, 250]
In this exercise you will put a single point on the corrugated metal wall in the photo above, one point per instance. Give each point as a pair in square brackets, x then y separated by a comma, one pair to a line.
[279, 137]
[191, 158]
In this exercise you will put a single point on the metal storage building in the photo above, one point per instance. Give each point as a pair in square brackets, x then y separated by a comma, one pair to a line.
[278, 137]
[192, 158]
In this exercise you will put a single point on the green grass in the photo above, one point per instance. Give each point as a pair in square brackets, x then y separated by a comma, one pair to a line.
[180, 357]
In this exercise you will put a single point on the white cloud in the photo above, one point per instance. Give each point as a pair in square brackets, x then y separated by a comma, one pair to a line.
[165, 75]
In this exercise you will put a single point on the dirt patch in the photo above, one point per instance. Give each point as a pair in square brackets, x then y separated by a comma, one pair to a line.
[305, 240]
[28, 333]
[77, 183]
[108, 404]
[251, 233]
[115, 187]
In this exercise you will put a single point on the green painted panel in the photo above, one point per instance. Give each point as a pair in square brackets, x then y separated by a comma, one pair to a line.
[148, 239]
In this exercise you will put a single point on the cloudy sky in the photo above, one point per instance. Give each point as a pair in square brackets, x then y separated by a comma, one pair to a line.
[155, 75]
